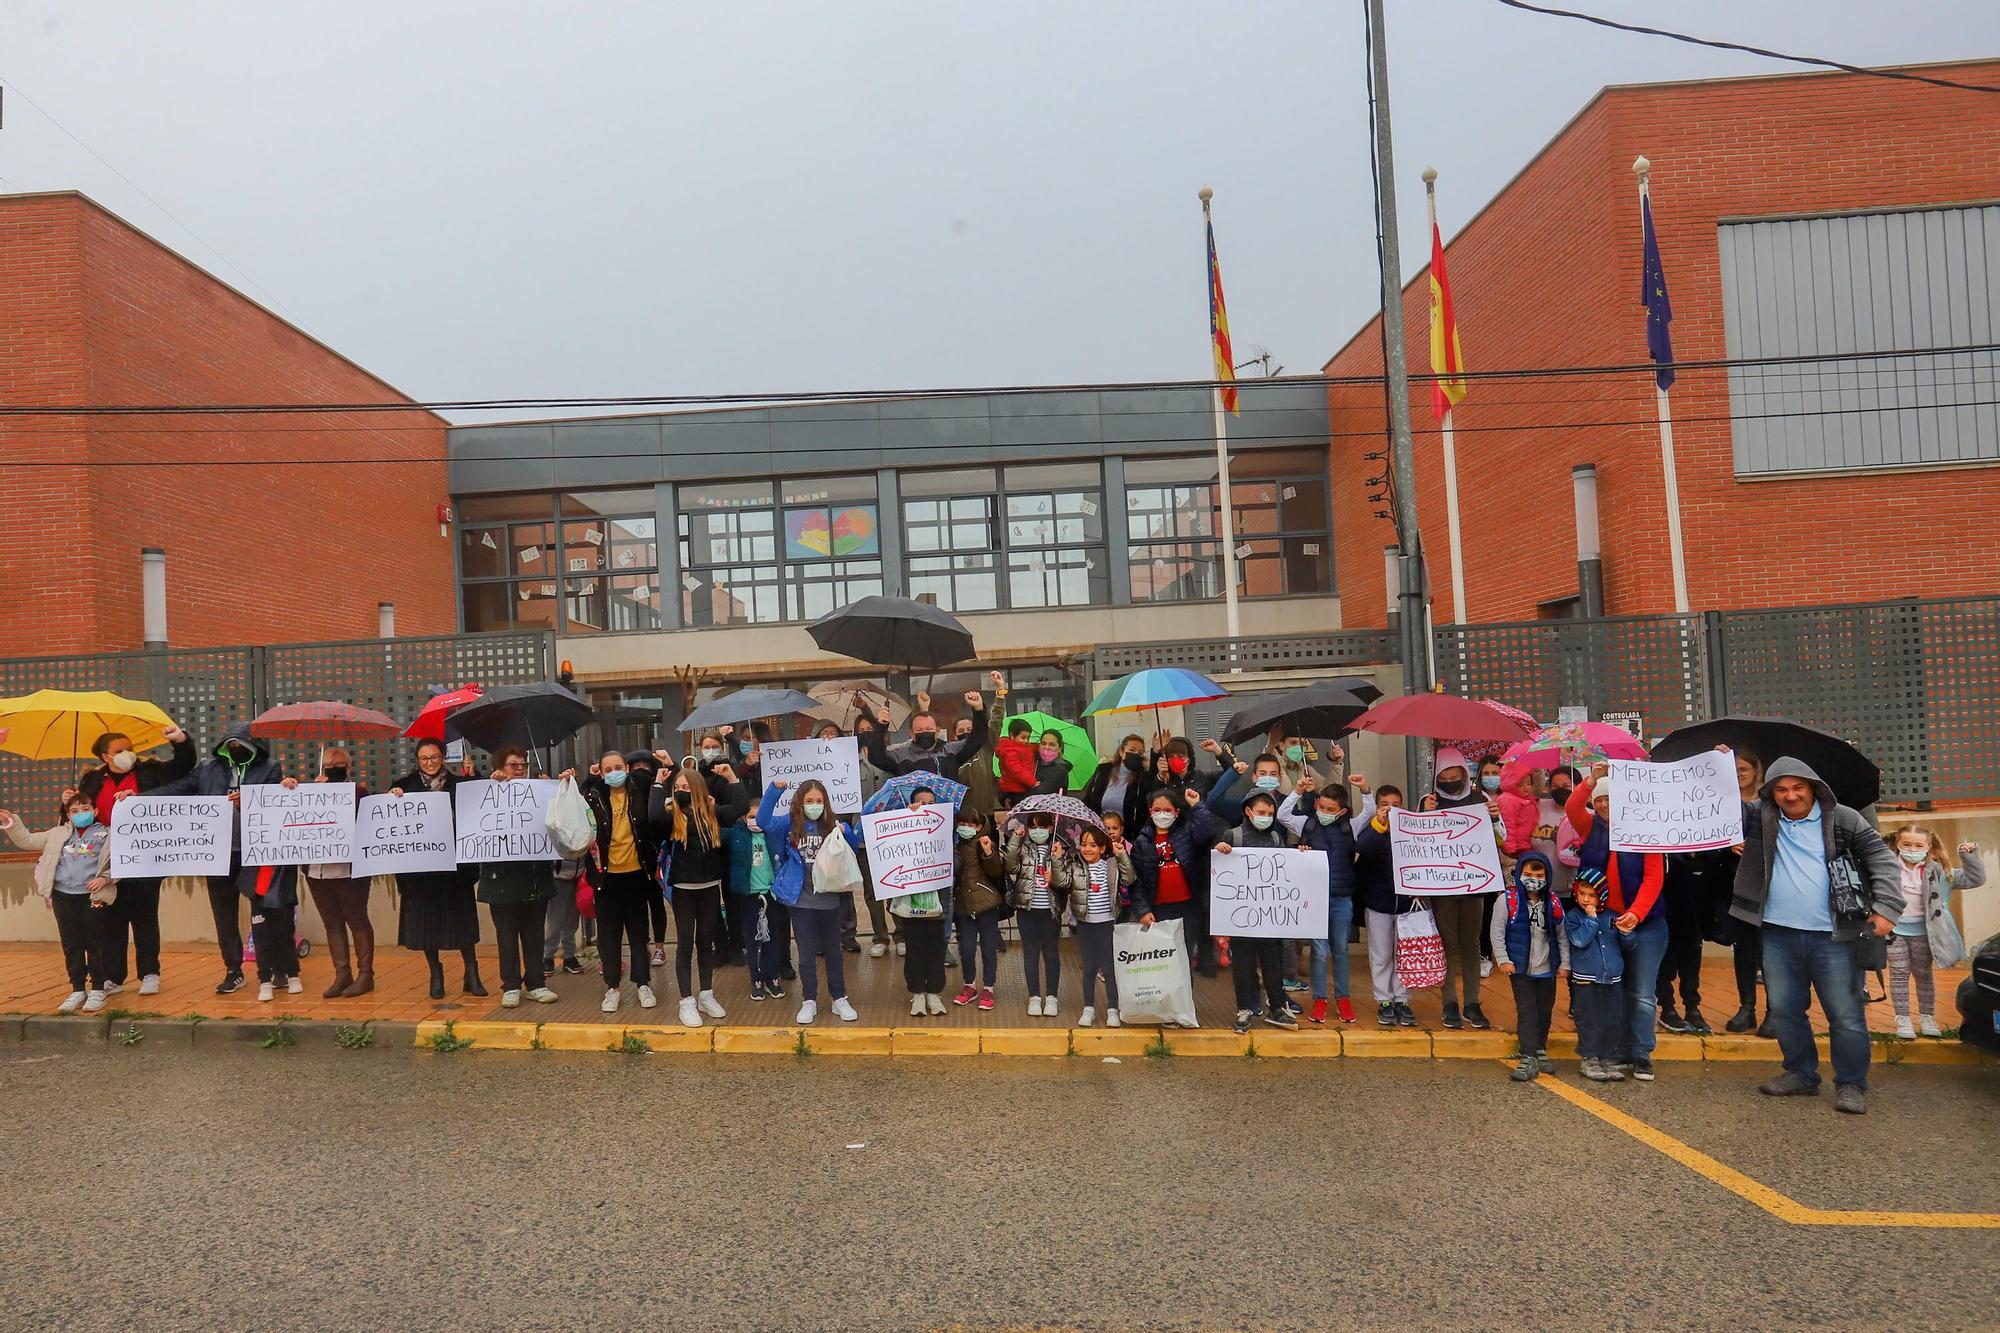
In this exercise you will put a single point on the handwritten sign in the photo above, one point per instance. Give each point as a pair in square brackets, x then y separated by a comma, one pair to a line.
[835, 762]
[909, 851]
[154, 836]
[1690, 806]
[1444, 853]
[404, 835]
[1271, 893]
[504, 821]
[297, 826]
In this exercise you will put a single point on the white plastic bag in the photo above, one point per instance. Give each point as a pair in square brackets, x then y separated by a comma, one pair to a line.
[1151, 966]
[835, 869]
[572, 828]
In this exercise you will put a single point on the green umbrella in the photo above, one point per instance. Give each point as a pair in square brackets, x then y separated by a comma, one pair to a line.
[1076, 745]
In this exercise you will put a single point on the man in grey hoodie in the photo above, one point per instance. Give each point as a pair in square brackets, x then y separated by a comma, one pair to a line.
[1819, 881]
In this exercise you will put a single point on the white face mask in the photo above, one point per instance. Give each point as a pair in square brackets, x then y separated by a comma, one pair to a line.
[1260, 821]
[1163, 819]
[123, 761]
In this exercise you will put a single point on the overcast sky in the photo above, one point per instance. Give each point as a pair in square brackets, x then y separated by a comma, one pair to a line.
[490, 199]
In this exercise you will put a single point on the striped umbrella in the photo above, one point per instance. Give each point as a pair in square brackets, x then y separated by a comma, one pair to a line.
[1155, 687]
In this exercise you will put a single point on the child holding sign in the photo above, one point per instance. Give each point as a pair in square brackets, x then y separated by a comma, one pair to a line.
[1255, 955]
[73, 878]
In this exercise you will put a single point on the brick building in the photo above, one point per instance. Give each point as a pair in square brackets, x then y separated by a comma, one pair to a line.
[1797, 215]
[93, 311]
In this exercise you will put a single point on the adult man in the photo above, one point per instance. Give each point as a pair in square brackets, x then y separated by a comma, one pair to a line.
[1819, 881]
[926, 750]
[121, 771]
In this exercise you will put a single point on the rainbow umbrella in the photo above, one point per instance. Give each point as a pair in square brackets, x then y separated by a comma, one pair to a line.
[1155, 687]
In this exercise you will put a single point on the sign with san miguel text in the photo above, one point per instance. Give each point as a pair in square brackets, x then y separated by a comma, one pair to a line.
[1690, 806]
[1444, 853]
[909, 851]
[310, 824]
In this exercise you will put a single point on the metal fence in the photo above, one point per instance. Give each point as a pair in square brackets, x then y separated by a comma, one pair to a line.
[1655, 666]
[205, 690]
[1341, 648]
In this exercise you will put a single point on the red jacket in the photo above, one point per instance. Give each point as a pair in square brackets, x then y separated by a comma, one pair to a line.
[1519, 808]
[1583, 818]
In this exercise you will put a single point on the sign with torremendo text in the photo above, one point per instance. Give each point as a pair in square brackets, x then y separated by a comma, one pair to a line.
[1689, 806]
[1271, 893]
[909, 851]
[1443, 853]
[409, 834]
[309, 824]
[156, 836]
[835, 762]
[504, 821]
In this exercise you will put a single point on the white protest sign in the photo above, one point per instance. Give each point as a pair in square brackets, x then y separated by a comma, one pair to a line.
[1270, 893]
[155, 836]
[909, 851]
[835, 762]
[504, 821]
[1690, 806]
[1443, 853]
[403, 835]
[297, 826]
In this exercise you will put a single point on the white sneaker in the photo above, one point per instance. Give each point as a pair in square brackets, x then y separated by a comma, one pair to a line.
[293, 986]
[1928, 1026]
[935, 1002]
[510, 999]
[1048, 1006]
[1111, 1018]
[543, 995]
[901, 949]
[808, 1012]
[610, 1005]
[1087, 1017]
[710, 1005]
[1486, 967]
[690, 1013]
[149, 984]
[113, 987]
[1034, 1006]
[93, 1002]
[877, 949]
[845, 1011]
[265, 991]
[647, 1000]
[1904, 1030]
[71, 1003]
[916, 1006]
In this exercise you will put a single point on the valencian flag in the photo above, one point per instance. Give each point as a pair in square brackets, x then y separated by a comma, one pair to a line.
[1218, 328]
[1447, 362]
[1653, 295]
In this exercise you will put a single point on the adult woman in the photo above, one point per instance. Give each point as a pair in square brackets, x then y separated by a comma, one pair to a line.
[1115, 788]
[795, 845]
[516, 894]
[121, 770]
[619, 797]
[342, 902]
[439, 911]
[688, 825]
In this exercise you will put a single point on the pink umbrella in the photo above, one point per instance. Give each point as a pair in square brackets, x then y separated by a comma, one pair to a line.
[1443, 715]
[1479, 748]
[1574, 743]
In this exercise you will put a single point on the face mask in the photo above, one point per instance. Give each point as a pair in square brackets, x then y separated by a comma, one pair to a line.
[1325, 819]
[1260, 821]
[1295, 753]
[710, 753]
[967, 832]
[923, 740]
[1135, 762]
[1177, 764]
[1915, 856]
[336, 773]
[83, 818]
[684, 799]
[744, 747]
[1038, 835]
[814, 809]
[123, 761]
[1451, 788]
[1268, 782]
[1491, 782]
[1560, 795]
[1163, 819]
[1050, 754]
[1534, 885]
[240, 752]
[615, 778]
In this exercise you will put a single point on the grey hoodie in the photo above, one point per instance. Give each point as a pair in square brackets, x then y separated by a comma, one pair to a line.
[1848, 833]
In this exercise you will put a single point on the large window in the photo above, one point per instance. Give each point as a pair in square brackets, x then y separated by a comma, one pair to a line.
[580, 562]
[950, 538]
[507, 562]
[1043, 525]
[610, 561]
[1172, 526]
[833, 544]
[729, 554]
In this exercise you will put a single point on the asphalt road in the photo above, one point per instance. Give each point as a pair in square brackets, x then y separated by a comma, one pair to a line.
[237, 1188]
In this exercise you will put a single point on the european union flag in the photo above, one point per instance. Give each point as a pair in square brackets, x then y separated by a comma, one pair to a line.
[1653, 295]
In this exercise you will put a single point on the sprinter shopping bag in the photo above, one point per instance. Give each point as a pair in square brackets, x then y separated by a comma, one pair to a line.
[1151, 966]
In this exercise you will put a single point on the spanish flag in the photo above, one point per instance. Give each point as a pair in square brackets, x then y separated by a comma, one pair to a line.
[1218, 327]
[1447, 362]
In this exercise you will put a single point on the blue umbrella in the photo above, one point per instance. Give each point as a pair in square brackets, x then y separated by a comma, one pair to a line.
[895, 793]
[744, 705]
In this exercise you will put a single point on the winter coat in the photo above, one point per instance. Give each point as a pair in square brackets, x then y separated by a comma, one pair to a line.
[1374, 868]
[1051, 776]
[1135, 783]
[1513, 920]
[1336, 840]
[1123, 876]
[1064, 878]
[1847, 832]
[1520, 808]
[946, 757]
[1193, 835]
[695, 861]
[218, 777]
[788, 872]
[148, 775]
[50, 843]
[982, 788]
[638, 787]
[978, 880]
[1620, 869]
[1947, 945]
[1595, 954]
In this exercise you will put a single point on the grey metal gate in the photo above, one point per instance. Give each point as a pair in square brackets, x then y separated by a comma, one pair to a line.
[1655, 666]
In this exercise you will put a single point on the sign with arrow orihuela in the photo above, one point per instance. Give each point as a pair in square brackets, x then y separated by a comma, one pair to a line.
[909, 851]
[1444, 853]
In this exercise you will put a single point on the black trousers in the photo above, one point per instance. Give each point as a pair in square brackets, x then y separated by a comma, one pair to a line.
[1095, 937]
[1682, 959]
[979, 947]
[1041, 950]
[696, 921]
[519, 926]
[86, 934]
[1534, 1007]
[1248, 957]
[1749, 956]
[923, 953]
[273, 930]
[226, 904]
[137, 911]
[622, 917]
[656, 910]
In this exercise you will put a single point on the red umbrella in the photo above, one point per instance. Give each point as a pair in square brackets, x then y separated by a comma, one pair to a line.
[317, 721]
[428, 725]
[1438, 716]
[1481, 748]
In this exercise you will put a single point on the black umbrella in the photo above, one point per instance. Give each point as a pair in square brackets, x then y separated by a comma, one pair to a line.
[1854, 777]
[894, 632]
[536, 715]
[744, 705]
[1323, 709]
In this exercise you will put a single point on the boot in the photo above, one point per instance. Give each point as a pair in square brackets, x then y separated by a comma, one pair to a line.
[473, 985]
[1743, 1019]
[437, 975]
[364, 963]
[336, 949]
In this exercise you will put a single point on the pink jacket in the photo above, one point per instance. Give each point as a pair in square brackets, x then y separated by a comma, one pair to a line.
[1519, 808]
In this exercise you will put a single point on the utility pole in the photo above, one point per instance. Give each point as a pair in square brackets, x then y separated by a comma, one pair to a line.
[1416, 625]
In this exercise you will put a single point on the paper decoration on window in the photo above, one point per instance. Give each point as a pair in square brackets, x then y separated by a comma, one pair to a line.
[578, 563]
[1243, 551]
[531, 554]
[1291, 492]
[1311, 548]
[586, 588]
[1089, 508]
[625, 558]
[820, 534]
[690, 582]
[545, 590]
[486, 540]
[595, 536]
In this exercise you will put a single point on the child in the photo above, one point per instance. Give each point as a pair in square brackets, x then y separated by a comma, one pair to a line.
[1018, 761]
[1253, 956]
[1597, 965]
[1331, 828]
[922, 919]
[1925, 935]
[795, 846]
[73, 877]
[1532, 949]
[980, 903]
[1375, 878]
[749, 861]
[1039, 881]
[1114, 827]
[1106, 878]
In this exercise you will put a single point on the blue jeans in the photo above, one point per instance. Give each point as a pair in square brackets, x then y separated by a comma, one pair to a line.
[1796, 963]
[1643, 949]
[1600, 1009]
[1339, 927]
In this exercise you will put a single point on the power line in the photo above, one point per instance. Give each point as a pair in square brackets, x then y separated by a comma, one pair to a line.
[1908, 76]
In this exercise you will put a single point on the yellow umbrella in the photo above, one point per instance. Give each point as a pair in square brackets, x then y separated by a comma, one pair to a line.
[61, 724]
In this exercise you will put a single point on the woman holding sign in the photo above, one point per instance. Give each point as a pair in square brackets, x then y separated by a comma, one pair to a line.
[439, 911]
[342, 901]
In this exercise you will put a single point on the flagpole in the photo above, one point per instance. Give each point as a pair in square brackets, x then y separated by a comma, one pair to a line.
[1450, 452]
[1643, 169]
[1230, 613]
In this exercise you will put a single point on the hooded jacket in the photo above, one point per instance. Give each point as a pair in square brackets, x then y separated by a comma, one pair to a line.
[217, 776]
[1520, 809]
[1134, 769]
[943, 758]
[1192, 835]
[1847, 833]
[1947, 945]
[1510, 932]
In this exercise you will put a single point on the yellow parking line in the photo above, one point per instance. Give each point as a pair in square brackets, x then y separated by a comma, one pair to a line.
[1778, 1205]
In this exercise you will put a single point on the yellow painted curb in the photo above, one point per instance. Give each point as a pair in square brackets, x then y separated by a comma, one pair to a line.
[1935, 1052]
[1121, 1042]
[1562, 1046]
[1402, 1042]
[1024, 1041]
[934, 1041]
[676, 1040]
[848, 1041]
[757, 1041]
[1475, 1045]
[574, 1036]
[483, 1036]
[1752, 1048]
[425, 1031]
[1208, 1041]
[1678, 1046]
[1313, 1044]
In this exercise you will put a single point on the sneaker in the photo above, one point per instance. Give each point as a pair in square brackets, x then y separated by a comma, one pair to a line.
[1048, 1006]
[1594, 1071]
[986, 998]
[1405, 1016]
[916, 1006]
[1850, 1100]
[1242, 1023]
[1318, 1011]
[901, 949]
[1282, 1018]
[1485, 968]
[1742, 1020]
[1345, 1008]
[1928, 1026]
[93, 1001]
[1295, 1009]
[1088, 1017]
[1610, 1072]
[1034, 1006]
[951, 958]
[878, 949]
[293, 986]
[1451, 1015]
[265, 992]
[1542, 1058]
[149, 984]
[1385, 1015]
[1475, 1017]
[1697, 1024]
[113, 987]
[1671, 1020]
[1294, 984]
[647, 999]
[230, 984]
[966, 996]
[71, 1002]
[548, 966]
[510, 999]
[543, 995]
[1111, 1019]
[935, 1003]
[573, 966]
[1790, 1085]
[611, 999]
[1527, 1070]
[690, 1013]
[1905, 1030]
[850, 946]
[808, 1011]
[1642, 1070]
[1624, 1067]
[844, 1011]
[710, 1005]
[757, 991]
[658, 955]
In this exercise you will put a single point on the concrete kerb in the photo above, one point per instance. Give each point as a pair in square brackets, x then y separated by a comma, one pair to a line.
[155, 1031]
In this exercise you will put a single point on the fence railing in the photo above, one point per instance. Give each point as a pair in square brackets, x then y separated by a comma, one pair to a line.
[1357, 647]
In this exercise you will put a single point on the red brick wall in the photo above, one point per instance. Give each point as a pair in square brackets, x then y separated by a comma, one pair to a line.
[116, 318]
[1548, 275]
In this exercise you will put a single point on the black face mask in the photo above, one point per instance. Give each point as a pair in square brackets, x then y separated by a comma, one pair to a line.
[924, 740]
[1560, 795]
[336, 773]
[1136, 762]
[684, 799]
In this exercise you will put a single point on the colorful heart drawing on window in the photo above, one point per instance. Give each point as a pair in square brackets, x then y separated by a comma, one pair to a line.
[854, 532]
[807, 533]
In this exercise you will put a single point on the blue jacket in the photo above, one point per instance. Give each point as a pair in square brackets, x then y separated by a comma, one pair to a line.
[1337, 841]
[1518, 921]
[1374, 870]
[1594, 951]
[1228, 792]
[1193, 835]
[788, 868]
